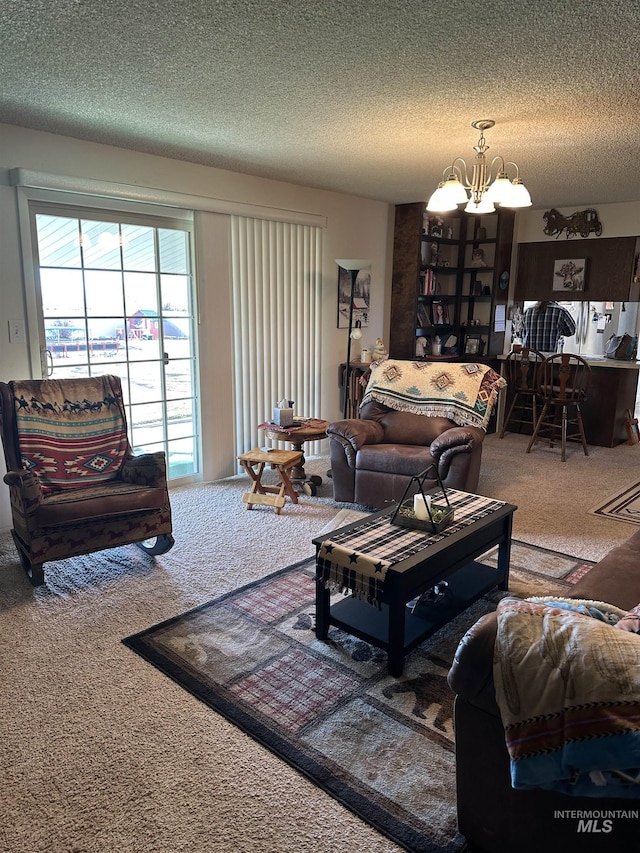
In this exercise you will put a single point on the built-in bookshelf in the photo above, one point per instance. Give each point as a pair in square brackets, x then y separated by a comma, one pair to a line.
[450, 283]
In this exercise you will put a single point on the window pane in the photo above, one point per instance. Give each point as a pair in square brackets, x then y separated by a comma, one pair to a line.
[179, 378]
[175, 295]
[146, 424]
[143, 350]
[182, 457]
[103, 351]
[175, 346]
[58, 241]
[146, 384]
[141, 292]
[66, 339]
[101, 245]
[173, 251]
[67, 370]
[104, 293]
[62, 292]
[108, 329]
[138, 251]
[181, 418]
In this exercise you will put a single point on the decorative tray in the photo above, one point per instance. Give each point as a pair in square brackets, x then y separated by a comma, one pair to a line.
[441, 517]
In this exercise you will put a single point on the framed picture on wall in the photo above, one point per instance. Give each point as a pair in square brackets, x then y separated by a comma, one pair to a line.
[569, 275]
[361, 297]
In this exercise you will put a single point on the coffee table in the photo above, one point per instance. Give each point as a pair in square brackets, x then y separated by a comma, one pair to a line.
[431, 558]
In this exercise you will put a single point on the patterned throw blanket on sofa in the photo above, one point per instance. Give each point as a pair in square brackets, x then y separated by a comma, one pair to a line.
[463, 392]
[568, 688]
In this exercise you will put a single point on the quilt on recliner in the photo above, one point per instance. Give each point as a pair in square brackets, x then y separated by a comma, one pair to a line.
[70, 439]
[465, 393]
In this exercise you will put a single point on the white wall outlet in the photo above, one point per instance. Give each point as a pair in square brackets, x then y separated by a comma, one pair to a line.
[16, 332]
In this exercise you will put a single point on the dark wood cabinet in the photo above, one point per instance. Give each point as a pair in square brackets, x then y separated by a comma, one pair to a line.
[604, 412]
[608, 274]
[450, 283]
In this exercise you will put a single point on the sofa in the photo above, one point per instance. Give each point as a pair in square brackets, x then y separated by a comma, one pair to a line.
[413, 414]
[493, 816]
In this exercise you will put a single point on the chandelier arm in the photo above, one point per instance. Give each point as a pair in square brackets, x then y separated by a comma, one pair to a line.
[501, 168]
[511, 163]
[461, 173]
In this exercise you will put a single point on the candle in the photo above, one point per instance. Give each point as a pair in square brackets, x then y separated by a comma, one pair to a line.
[420, 506]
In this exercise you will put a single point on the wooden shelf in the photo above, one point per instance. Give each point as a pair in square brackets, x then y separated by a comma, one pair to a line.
[453, 283]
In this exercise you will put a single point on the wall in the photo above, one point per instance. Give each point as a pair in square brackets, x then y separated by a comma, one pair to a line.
[608, 264]
[356, 228]
[618, 220]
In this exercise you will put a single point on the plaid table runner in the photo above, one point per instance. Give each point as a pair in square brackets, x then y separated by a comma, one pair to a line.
[357, 561]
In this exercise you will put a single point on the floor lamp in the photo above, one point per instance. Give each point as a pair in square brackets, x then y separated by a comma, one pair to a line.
[353, 266]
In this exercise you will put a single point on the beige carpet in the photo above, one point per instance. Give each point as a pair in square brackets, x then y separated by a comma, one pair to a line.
[100, 752]
[554, 498]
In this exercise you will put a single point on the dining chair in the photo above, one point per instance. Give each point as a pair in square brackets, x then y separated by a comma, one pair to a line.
[563, 384]
[521, 373]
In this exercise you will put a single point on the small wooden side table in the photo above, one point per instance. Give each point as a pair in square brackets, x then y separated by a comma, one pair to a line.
[254, 462]
[315, 430]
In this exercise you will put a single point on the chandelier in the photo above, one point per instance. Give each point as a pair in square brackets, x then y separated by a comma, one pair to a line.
[485, 189]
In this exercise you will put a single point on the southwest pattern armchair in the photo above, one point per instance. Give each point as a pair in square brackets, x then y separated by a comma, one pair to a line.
[75, 486]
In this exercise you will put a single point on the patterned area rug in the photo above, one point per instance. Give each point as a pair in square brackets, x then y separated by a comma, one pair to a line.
[624, 505]
[383, 747]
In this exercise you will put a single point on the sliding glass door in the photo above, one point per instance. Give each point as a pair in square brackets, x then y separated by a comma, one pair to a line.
[116, 296]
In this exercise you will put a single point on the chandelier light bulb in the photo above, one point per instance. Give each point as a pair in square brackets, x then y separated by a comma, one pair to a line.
[486, 188]
[485, 205]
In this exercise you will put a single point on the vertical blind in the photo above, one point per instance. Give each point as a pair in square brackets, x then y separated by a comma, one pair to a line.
[276, 277]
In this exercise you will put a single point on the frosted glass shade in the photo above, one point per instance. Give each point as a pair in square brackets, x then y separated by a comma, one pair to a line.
[485, 206]
[454, 191]
[440, 202]
[518, 196]
[499, 190]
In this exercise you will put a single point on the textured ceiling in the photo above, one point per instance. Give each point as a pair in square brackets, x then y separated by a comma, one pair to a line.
[370, 97]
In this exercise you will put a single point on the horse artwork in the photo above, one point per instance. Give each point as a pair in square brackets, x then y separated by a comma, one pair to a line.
[582, 222]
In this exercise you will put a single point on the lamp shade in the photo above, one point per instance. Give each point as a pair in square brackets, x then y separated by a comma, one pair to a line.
[353, 263]
[499, 190]
[484, 206]
[518, 195]
[440, 202]
[453, 190]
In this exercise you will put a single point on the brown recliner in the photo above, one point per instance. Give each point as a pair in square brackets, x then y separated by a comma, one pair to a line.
[75, 486]
[373, 458]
